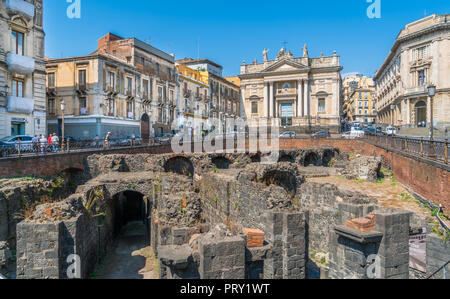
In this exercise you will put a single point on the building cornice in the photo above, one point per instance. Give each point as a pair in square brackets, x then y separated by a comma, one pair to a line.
[411, 36]
[292, 72]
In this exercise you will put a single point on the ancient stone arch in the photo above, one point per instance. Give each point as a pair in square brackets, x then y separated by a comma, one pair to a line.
[179, 165]
[327, 157]
[221, 162]
[311, 158]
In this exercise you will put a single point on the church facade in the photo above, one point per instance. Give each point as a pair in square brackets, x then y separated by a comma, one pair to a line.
[303, 94]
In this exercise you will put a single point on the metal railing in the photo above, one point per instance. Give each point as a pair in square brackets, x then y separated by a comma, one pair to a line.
[434, 150]
[20, 149]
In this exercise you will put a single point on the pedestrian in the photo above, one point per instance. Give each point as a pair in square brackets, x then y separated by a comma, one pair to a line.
[43, 141]
[55, 143]
[133, 139]
[35, 142]
[97, 141]
[49, 142]
[107, 140]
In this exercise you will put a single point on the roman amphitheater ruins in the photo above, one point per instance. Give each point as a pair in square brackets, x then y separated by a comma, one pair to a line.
[213, 216]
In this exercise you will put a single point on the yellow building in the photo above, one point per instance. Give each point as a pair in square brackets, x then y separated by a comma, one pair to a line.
[359, 99]
[193, 108]
[225, 95]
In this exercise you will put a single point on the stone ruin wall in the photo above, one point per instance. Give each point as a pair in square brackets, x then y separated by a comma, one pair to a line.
[218, 195]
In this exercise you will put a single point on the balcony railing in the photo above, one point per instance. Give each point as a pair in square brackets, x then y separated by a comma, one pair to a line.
[20, 64]
[20, 7]
[20, 105]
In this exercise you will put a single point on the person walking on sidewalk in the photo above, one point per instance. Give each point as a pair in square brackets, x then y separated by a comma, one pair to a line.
[49, 143]
[107, 140]
[43, 141]
[55, 143]
[35, 142]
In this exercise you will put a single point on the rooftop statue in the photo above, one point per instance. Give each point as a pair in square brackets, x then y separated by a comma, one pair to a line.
[305, 51]
[265, 52]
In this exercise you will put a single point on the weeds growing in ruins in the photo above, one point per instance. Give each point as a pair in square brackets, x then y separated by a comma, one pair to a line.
[95, 196]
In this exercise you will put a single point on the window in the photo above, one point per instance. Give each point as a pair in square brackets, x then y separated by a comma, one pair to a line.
[365, 95]
[51, 80]
[157, 68]
[83, 103]
[51, 106]
[112, 80]
[17, 88]
[130, 109]
[421, 53]
[129, 85]
[366, 104]
[82, 77]
[111, 107]
[18, 43]
[360, 104]
[145, 87]
[322, 105]
[160, 91]
[360, 112]
[421, 78]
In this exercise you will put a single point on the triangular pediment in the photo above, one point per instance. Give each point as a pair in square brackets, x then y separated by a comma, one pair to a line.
[285, 65]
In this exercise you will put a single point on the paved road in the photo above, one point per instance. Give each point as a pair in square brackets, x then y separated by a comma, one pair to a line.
[130, 258]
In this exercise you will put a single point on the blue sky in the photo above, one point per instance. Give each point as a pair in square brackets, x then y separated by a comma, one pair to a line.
[232, 31]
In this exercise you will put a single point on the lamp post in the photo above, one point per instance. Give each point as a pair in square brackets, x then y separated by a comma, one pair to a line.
[431, 93]
[63, 108]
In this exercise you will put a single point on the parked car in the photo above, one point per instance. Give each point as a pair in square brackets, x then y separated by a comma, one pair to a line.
[391, 131]
[370, 131]
[13, 141]
[164, 138]
[321, 135]
[127, 141]
[288, 135]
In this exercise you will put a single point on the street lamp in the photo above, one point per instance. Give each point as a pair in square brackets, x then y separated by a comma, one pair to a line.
[431, 94]
[63, 107]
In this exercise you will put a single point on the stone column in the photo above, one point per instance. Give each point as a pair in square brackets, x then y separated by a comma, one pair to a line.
[429, 111]
[271, 101]
[408, 113]
[300, 98]
[306, 107]
[266, 101]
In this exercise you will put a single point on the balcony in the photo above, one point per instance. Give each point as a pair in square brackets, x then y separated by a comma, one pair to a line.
[187, 94]
[20, 7]
[20, 64]
[20, 105]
